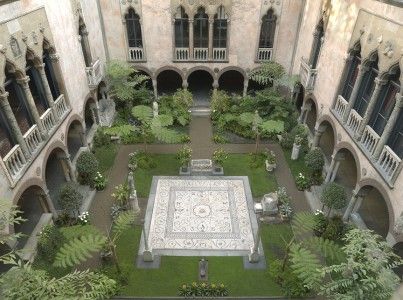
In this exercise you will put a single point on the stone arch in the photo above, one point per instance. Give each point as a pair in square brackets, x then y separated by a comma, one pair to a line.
[26, 184]
[201, 82]
[201, 68]
[328, 136]
[48, 46]
[145, 71]
[90, 113]
[31, 54]
[346, 145]
[171, 68]
[370, 57]
[75, 135]
[276, 12]
[54, 145]
[128, 8]
[168, 84]
[231, 79]
[185, 7]
[312, 112]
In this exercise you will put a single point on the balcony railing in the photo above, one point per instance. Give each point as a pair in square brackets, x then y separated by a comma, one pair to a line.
[48, 120]
[369, 140]
[136, 54]
[354, 121]
[33, 138]
[61, 107]
[388, 164]
[200, 53]
[94, 74]
[220, 54]
[308, 75]
[181, 54]
[264, 54]
[340, 107]
[15, 161]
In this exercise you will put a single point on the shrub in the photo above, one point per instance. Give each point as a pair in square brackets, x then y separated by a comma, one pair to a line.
[219, 139]
[101, 138]
[87, 166]
[50, 240]
[257, 160]
[203, 289]
[121, 194]
[314, 160]
[99, 182]
[320, 223]
[219, 156]
[282, 196]
[302, 182]
[220, 103]
[333, 196]
[84, 218]
[145, 161]
[271, 157]
[184, 155]
[70, 200]
[335, 229]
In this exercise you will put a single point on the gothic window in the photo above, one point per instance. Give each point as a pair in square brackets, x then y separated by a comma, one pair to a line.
[396, 138]
[385, 104]
[366, 88]
[268, 30]
[317, 44]
[133, 28]
[50, 74]
[352, 74]
[82, 31]
[220, 29]
[6, 140]
[36, 87]
[201, 29]
[181, 28]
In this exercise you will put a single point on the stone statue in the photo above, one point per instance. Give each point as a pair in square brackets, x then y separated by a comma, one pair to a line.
[155, 109]
[203, 267]
[133, 200]
[269, 204]
[130, 183]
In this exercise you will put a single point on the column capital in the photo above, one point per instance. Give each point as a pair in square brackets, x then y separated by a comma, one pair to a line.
[211, 21]
[3, 96]
[379, 81]
[24, 81]
[363, 68]
[191, 20]
[54, 57]
[40, 66]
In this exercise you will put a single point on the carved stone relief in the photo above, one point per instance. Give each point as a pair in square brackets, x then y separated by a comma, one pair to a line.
[211, 6]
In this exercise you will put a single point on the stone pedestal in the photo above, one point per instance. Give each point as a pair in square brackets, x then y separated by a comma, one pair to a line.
[254, 256]
[148, 256]
[295, 151]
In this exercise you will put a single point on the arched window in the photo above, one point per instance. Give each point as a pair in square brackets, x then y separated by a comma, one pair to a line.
[201, 29]
[268, 30]
[50, 74]
[317, 45]
[385, 104]
[133, 28]
[366, 88]
[85, 44]
[181, 28]
[352, 74]
[36, 87]
[220, 29]
[395, 141]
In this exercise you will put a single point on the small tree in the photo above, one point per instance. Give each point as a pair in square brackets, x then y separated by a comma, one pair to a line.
[333, 196]
[70, 200]
[220, 103]
[315, 161]
[184, 155]
[87, 167]
[219, 156]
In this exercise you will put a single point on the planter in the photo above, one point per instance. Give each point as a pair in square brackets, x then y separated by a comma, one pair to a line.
[218, 171]
[184, 170]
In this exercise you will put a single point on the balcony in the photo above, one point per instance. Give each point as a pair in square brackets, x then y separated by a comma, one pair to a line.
[136, 54]
[353, 122]
[369, 140]
[181, 54]
[200, 54]
[15, 162]
[308, 75]
[219, 54]
[264, 54]
[388, 164]
[340, 107]
[94, 74]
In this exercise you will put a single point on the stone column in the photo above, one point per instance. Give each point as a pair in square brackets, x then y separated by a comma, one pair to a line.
[210, 38]
[191, 39]
[86, 44]
[301, 115]
[58, 74]
[334, 167]
[254, 256]
[319, 130]
[173, 40]
[215, 85]
[67, 167]
[185, 84]
[245, 86]
[307, 110]
[44, 80]
[31, 104]
[355, 202]
[361, 72]
[390, 125]
[12, 121]
[371, 105]
[155, 88]
[44, 197]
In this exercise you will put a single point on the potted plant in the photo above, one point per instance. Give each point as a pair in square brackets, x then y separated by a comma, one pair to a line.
[121, 195]
[285, 211]
[219, 156]
[184, 155]
[100, 182]
[270, 161]
[302, 182]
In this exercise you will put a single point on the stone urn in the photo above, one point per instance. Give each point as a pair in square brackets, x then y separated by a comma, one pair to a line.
[270, 166]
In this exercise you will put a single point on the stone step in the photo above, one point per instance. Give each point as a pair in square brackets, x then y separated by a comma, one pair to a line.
[200, 111]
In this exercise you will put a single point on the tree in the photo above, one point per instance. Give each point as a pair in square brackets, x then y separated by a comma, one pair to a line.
[366, 271]
[259, 126]
[80, 249]
[333, 196]
[123, 80]
[70, 200]
[87, 167]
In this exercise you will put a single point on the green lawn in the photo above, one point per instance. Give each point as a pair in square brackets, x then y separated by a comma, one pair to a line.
[106, 157]
[296, 166]
[166, 165]
[260, 180]
[175, 271]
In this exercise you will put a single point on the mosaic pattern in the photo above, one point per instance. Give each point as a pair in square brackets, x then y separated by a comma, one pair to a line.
[206, 214]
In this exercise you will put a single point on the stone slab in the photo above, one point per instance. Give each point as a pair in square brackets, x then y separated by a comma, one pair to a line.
[141, 264]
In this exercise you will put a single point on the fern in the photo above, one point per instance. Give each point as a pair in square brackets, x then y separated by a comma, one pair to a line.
[272, 126]
[303, 222]
[78, 250]
[123, 130]
[123, 222]
[327, 248]
[143, 113]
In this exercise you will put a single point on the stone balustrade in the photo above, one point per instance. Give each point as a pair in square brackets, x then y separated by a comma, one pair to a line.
[33, 138]
[136, 54]
[48, 120]
[354, 121]
[307, 75]
[14, 161]
[219, 54]
[200, 54]
[388, 164]
[61, 107]
[94, 74]
[181, 54]
[340, 107]
[264, 54]
[369, 139]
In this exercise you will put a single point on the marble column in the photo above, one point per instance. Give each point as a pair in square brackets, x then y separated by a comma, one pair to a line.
[334, 167]
[301, 115]
[191, 39]
[86, 48]
[58, 74]
[371, 105]
[361, 72]
[155, 88]
[355, 202]
[45, 198]
[24, 83]
[210, 38]
[389, 125]
[245, 86]
[307, 110]
[48, 93]
[319, 130]
[185, 84]
[215, 85]
[12, 122]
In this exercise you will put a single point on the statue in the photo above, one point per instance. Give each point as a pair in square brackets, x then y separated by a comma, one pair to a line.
[133, 200]
[203, 267]
[155, 109]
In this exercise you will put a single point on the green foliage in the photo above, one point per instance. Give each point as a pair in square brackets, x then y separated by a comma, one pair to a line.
[70, 199]
[283, 196]
[220, 103]
[256, 160]
[219, 156]
[267, 73]
[367, 269]
[203, 289]
[120, 130]
[123, 80]
[101, 138]
[177, 106]
[87, 167]
[219, 139]
[184, 155]
[299, 130]
[335, 229]
[121, 194]
[145, 160]
[100, 182]
[333, 196]
[50, 240]
[123, 222]
[302, 182]
[314, 160]
[25, 283]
